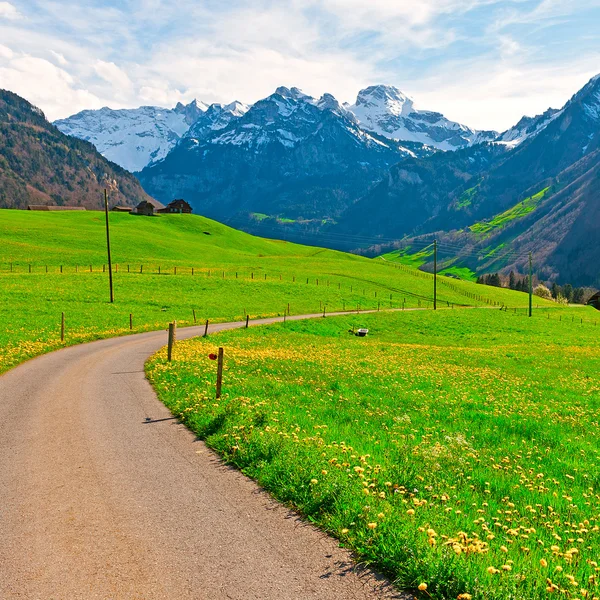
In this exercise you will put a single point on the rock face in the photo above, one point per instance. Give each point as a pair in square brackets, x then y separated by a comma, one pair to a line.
[289, 155]
[41, 165]
[387, 111]
[133, 138]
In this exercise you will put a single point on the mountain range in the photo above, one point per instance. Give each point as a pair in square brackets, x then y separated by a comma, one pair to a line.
[133, 138]
[380, 170]
[41, 165]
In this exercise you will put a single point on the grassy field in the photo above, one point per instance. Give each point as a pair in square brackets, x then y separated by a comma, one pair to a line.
[179, 264]
[457, 449]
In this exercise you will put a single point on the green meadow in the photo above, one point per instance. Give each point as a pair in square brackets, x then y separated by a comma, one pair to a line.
[174, 266]
[456, 450]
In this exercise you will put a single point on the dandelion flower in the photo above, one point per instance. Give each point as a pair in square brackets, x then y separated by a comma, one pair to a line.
[422, 587]
[314, 481]
[544, 562]
[372, 525]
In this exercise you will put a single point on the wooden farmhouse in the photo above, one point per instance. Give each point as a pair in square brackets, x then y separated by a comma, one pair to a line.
[177, 206]
[148, 208]
[595, 301]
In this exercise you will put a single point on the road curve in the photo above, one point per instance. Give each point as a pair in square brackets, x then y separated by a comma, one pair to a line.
[103, 495]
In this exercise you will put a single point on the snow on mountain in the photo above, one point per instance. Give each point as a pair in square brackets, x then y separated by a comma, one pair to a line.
[216, 117]
[290, 117]
[527, 127]
[133, 138]
[387, 111]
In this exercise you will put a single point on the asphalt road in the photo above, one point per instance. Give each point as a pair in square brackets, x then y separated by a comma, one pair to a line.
[104, 495]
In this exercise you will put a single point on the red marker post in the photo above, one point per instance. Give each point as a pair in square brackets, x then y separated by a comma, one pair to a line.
[218, 358]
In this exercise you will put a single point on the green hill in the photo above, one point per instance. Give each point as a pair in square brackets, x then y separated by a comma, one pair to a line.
[167, 267]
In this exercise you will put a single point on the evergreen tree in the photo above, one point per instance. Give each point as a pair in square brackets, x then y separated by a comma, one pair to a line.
[511, 280]
[556, 290]
[567, 292]
[578, 294]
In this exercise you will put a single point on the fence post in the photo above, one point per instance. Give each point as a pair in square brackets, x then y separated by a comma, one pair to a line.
[194, 313]
[130, 321]
[206, 328]
[62, 327]
[247, 318]
[171, 341]
[219, 372]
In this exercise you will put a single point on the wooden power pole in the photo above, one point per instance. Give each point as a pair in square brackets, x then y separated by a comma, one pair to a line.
[530, 285]
[434, 274]
[110, 280]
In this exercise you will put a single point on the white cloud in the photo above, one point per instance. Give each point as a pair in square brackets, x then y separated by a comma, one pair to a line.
[9, 11]
[5, 52]
[42, 83]
[496, 96]
[145, 52]
[60, 59]
[118, 79]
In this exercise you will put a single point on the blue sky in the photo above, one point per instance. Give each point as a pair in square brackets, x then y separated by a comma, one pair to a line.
[484, 63]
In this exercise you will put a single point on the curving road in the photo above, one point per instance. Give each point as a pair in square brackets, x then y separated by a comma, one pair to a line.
[103, 495]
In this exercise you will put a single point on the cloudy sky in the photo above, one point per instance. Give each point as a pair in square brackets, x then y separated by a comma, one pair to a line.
[481, 62]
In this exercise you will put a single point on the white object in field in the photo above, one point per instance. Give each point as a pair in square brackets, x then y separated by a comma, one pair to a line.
[362, 332]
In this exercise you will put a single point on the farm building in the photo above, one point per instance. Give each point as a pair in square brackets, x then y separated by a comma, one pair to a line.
[122, 208]
[148, 208]
[595, 301]
[53, 207]
[177, 206]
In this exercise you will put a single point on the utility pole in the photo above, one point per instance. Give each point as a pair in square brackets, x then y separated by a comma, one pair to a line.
[434, 274]
[530, 285]
[112, 297]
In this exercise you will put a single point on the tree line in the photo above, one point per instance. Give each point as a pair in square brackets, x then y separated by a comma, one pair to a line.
[560, 293]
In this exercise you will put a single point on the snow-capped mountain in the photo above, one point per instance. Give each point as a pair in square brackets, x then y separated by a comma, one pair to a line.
[289, 117]
[387, 111]
[288, 154]
[216, 117]
[527, 127]
[133, 138]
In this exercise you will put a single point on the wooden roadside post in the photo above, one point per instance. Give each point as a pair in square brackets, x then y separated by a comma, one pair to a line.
[247, 317]
[194, 313]
[206, 329]
[219, 372]
[171, 340]
[62, 327]
[130, 321]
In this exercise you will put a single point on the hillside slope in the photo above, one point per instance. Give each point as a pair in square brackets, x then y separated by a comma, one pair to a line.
[41, 165]
[183, 268]
[462, 200]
